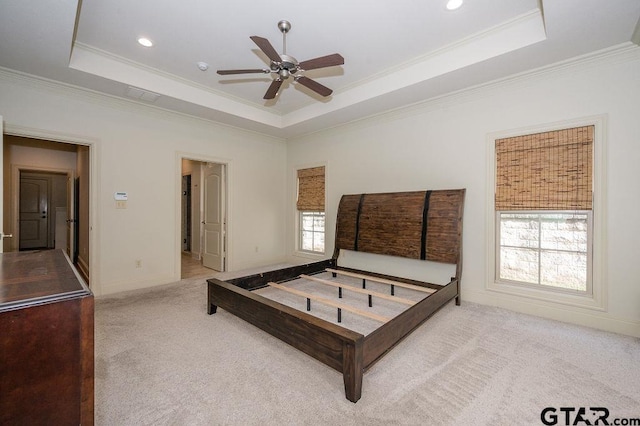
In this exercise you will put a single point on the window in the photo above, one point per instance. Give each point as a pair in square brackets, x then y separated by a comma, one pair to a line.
[545, 248]
[543, 205]
[312, 231]
[310, 205]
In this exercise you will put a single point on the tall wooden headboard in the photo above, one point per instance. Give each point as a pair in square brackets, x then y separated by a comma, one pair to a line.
[424, 225]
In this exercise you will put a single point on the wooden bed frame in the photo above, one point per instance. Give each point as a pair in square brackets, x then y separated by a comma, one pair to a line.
[423, 225]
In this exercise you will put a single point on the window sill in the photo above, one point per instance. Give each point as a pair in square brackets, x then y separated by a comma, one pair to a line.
[587, 301]
[309, 255]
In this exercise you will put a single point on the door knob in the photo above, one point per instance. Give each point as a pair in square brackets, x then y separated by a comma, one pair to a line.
[5, 235]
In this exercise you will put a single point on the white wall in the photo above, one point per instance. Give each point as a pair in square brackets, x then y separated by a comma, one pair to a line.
[136, 149]
[442, 144]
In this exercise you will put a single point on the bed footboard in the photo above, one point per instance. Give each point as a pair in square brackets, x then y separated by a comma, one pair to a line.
[335, 346]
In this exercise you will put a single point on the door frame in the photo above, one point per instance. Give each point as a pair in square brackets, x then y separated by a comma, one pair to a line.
[186, 213]
[94, 152]
[228, 263]
[16, 170]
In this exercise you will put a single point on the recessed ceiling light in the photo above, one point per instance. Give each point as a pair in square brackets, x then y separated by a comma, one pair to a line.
[145, 42]
[454, 4]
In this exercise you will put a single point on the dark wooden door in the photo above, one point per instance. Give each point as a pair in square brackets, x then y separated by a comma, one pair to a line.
[34, 213]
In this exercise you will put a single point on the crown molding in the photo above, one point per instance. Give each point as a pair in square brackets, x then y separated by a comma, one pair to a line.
[144, 68]
[624, 52]
[72, 91]
[513, 34]
[103, 64]
[621, 53]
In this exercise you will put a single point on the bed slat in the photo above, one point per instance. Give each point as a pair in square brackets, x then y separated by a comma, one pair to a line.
[359, 290]
[381, 280]
[329, 302]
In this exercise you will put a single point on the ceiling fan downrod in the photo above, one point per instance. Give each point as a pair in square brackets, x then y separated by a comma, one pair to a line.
[284, 26]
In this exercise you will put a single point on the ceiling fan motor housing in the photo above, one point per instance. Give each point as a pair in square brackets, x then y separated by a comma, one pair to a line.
[287, 66]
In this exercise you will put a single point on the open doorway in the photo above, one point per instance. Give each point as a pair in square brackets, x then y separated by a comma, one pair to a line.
[203, 218]
[46, 197]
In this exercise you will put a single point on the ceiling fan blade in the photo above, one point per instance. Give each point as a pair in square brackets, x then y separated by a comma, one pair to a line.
[322, 62]
[272, 91]
[249, 71]
[267, 48]
[315, 86]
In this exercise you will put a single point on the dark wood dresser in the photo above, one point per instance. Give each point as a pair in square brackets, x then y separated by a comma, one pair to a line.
[46, 341]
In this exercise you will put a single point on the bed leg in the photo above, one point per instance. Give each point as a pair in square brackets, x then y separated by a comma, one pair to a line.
[352, 370]
[212, 309]
[457, 290]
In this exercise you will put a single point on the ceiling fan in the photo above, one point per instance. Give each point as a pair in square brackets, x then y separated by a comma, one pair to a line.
[285, 66]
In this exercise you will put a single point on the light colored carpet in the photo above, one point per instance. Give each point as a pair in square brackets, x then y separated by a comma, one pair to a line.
[161, 360]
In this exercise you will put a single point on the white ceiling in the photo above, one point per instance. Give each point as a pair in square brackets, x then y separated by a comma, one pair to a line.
[396, 53]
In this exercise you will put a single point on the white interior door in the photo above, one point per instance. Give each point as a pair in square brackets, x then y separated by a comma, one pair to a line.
[214, 217]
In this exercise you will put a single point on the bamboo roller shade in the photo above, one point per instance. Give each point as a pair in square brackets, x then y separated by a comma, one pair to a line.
[311, 189]
[418, 225]
[545, 171]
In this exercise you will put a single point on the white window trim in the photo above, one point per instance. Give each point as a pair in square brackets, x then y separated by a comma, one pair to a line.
[589, 282]
[300, 238]
[597, 300]
[298, 252]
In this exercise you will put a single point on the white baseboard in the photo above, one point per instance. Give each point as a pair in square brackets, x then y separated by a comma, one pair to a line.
[593, 319]
[122, 286]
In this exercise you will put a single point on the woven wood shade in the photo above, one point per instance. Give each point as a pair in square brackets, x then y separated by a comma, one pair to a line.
[545, 171]
[311, 189]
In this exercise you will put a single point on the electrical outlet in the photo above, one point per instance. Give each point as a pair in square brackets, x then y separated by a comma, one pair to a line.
[121, 204]
[138, 263]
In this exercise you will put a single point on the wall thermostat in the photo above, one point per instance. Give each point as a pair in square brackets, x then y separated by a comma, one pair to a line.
[120, 196]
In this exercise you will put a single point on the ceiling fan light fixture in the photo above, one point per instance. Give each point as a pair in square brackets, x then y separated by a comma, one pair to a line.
[454, 4]
[145, 42]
